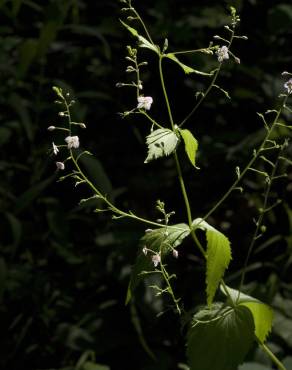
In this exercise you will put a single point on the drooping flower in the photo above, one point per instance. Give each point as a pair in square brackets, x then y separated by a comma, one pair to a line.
[156, 259]
[222, 53]
[72, 141]
[175, 253]
[144, 102]
[55, 149]
[51, 128]
[60, 165]
[288, 86]
[145, 250]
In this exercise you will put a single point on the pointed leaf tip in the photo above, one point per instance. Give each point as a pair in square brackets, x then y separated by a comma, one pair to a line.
[191, 145]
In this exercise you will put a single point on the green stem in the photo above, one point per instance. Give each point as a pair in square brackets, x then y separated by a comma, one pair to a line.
[95, 190]
[165, 92]
[250, 163]
[169, 288]
[178, 167]
[202, 97]
[275, 360]
[192, 51]
[150, 118]
[259, 222]
[143, 25]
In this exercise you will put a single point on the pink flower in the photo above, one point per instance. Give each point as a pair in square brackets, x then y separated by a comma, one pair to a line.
[72, 141]
[144, 102]
[222, 53]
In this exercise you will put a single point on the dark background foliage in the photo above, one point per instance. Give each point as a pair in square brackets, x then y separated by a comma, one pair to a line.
[64, 270]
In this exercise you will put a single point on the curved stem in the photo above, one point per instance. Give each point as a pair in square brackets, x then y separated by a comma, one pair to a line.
[143, 25]
[275, 360]
[202, 50]
[165, 92]
[202, 97]
[210, 86]
[250, 163]
[259, 222]
[95, 190]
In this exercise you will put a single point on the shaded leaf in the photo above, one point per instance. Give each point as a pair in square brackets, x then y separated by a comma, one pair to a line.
[218, 257]
[262, 313]
[96, 173]
[221, 336]
[32, 193]
[253, 366]
[191, 145]
[88, 365]
[161, 142]
[186, 68]
[162, 240]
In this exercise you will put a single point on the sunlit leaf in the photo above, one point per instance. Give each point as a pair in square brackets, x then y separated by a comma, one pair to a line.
[191, 145]
[186, 68]
[161, 142]
[162, 240]
[219, 338]
[143, 42]
[261, 312]
[218, 257]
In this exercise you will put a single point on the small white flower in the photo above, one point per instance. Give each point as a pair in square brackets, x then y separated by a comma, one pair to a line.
[55, 149]
[222, 53]
[288, 86]
[72, 141]
[51, 128]
[82, 125]
[60, 165]
[156, 259]
[144, 102]
[145, 250]
[175, 253]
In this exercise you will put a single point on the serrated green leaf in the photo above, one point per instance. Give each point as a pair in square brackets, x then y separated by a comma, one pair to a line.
[162, 240]
[220, 338]
[218, 257]
[263, 318]
[191, 145]
[186, 68]
[262, 313]
[143, 42]
[161, 142]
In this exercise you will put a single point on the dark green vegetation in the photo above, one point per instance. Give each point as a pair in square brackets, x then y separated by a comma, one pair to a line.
[64, 270]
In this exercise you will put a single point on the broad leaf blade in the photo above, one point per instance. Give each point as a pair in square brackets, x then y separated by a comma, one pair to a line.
[218, 256]
[220, 338]
[162, 240]
[263, 318]
[144, 43]
[186, 68]
[191, 146]
[161, 142]
[218, 259]
[262, 313]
